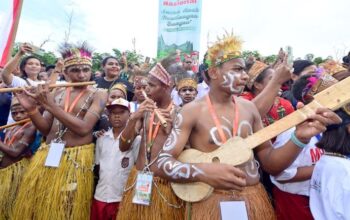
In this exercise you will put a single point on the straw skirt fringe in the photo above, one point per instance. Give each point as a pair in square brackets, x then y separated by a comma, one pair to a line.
[57, 193]
[158, 209]
[10, 178]
[256, 200]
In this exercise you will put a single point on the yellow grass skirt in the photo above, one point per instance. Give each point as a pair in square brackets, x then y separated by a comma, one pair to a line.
[158, 209]
[10, 178]
[256, 200]
[62, 193]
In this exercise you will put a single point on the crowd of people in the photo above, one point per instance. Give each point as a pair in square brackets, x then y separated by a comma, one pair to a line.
[111, 150]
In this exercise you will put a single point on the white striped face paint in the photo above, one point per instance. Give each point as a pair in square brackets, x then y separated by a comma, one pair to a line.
[229, 81]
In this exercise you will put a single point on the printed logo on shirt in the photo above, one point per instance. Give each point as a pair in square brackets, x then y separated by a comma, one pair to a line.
[125, 162]
[316, 154]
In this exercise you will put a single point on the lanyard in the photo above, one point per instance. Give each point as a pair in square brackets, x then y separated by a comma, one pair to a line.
[218, 124]
[75, 101]
[152, 135]
[9, 141]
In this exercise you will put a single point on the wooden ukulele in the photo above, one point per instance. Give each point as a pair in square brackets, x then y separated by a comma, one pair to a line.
[237, 150]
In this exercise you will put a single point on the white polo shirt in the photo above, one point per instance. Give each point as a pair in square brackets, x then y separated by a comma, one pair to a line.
[115, 167]
[307, 157]
[330, 189]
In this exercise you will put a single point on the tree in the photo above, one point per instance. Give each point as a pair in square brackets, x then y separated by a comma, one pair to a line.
[248, 53]
[270, 59]
[318, 60]
[309, 57]
[49, 58]
[97, 60]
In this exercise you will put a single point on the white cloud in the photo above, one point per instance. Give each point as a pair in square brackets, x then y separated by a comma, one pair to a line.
[312, 26]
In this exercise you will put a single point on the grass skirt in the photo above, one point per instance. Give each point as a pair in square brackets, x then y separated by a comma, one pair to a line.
[158, 209]
[10, 178]
[57, 193]
[256, 200]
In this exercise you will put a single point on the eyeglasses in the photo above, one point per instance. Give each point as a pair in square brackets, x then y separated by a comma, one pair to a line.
[77, 69]
[188, 62]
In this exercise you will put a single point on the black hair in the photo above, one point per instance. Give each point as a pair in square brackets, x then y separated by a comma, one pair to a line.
[49, 67]
[337, 138]
[206, 67]
[24, 63]
[299, 85]
[260, 78]
[104, 61]
[300, 65]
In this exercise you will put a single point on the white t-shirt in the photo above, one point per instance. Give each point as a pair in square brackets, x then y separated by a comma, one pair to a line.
[134, 106]
[175, 97]
[115, 167]
[330, 189]
[19, 82]
[203, 89]
[307, 157]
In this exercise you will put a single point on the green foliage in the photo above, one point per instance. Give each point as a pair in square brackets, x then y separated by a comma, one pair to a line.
[270, 59]
[49, 58]
[318, 60]
[97, 60]
[249, 53]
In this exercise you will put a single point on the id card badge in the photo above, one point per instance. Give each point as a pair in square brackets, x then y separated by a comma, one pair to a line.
[233, 210]
[143, 188]
[54, 155]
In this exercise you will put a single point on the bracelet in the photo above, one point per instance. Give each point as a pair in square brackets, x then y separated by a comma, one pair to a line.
[296, 141]
[125, 140]
[33, 112]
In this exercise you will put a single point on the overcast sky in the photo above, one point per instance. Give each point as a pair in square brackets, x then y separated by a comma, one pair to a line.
[320, 27]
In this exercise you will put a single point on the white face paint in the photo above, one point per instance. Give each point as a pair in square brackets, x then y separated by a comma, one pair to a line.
[229, 81]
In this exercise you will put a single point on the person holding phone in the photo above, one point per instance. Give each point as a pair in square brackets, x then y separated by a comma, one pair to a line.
[30, 67]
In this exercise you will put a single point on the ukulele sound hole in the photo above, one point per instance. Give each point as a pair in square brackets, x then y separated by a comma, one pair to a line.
[215, 160]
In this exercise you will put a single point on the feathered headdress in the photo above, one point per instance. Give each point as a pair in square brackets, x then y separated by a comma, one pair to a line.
[226, 48]
[76, 54]
[307, 86]
[185, 79]
[332, 67]
[121, 87]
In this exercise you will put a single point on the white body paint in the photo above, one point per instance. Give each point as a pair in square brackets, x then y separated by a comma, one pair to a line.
[214, 132]
[250, 169]
[229, 81]
[243, 124]
[171, 141]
